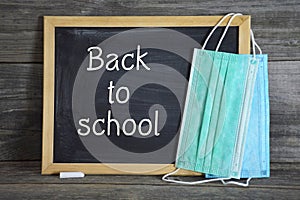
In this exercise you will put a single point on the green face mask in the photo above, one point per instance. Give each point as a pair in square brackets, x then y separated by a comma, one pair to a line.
[216, 114]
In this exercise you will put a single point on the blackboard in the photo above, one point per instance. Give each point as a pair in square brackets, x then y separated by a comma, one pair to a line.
[114, 89]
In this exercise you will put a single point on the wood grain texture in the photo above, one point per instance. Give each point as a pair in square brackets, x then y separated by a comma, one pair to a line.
[48, 95]
[20, 145]
[275, 23]
[284, 91]
[95, 191]
[23, 180]
[21, 96]
[21, 108]
[29, 172]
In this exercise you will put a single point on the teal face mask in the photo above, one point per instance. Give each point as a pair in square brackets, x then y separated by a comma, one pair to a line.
[217, 112]
[256, 162]
[212, 136]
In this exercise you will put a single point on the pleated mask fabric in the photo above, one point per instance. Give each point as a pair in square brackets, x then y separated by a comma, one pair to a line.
[212, 138]
[220, 105]
[256, 162]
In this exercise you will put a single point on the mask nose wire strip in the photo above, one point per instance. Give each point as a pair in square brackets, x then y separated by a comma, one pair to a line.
[165, 178]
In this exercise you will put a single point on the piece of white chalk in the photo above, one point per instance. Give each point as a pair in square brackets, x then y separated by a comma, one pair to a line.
[71, 175]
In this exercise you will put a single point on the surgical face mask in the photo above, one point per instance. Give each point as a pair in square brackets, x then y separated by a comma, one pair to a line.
[256, 154]
[256, 162]
[221, 86]
[217, 112]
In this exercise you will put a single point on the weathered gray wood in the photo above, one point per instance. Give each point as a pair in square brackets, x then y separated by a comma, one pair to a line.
[284, 90]
[21, 111]
[96, 191]
[21, 96]
[275, 22]
[20, 145]
[29, 172]
[23, 180]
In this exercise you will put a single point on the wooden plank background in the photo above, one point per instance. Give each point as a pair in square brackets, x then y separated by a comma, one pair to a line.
[276, 26]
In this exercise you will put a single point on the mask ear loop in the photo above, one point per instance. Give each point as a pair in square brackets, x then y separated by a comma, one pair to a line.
[165, 178]
[237, 183]
[213, 30]
[226, 29]
[254, 44]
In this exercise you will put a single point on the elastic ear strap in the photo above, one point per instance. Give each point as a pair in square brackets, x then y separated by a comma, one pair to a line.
[165, 178]
[213, 30]
[226, 29]
[237, 183]
[254, 44]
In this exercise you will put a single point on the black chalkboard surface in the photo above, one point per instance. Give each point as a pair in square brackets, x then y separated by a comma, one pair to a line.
[119, 91]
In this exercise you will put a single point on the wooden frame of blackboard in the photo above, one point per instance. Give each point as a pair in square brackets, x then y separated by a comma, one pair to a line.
[50, 22]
